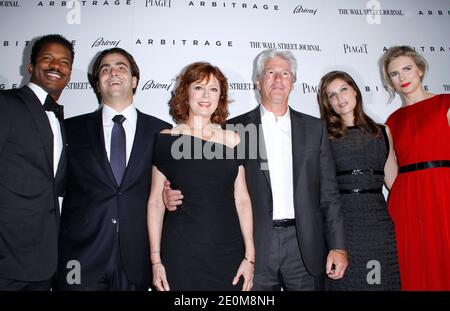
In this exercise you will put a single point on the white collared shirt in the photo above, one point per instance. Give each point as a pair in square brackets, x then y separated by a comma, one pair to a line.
[54, 123]
[278, 141]
[129, 125]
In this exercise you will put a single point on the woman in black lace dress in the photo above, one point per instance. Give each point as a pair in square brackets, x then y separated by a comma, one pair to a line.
[361, 150]
[207, 243]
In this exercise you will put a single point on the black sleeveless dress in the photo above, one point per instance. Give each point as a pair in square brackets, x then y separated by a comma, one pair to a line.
[201, 244]
[369, 231]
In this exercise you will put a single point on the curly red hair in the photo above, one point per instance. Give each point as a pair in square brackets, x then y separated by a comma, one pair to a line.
[199, 71]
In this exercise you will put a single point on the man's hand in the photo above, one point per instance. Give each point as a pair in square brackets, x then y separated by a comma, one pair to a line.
[337, 262]
[171, 198]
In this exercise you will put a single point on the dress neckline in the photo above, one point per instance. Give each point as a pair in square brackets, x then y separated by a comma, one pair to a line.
[196, 137]
[422, 101]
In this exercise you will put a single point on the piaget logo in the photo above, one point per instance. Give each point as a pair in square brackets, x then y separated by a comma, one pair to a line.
[158, 3]
[309, 88]
[355, 49]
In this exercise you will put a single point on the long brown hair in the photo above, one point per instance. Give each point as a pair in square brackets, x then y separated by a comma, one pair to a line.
[199, 71]
[335, 125]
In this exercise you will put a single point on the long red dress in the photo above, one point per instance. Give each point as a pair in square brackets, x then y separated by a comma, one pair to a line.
[419, 201]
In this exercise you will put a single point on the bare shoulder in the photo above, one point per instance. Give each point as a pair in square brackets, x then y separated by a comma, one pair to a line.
[388, 130]
[179, 129]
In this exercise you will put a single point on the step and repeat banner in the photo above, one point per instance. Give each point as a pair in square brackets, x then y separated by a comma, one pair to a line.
[166, 35]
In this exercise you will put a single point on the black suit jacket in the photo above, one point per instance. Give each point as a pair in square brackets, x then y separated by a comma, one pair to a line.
[29, 211]
[316, 199]
[93, 199]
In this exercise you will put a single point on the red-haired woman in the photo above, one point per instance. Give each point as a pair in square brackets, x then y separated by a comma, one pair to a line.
[207, 243]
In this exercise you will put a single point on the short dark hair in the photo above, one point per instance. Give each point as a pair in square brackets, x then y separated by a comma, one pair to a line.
[96, 67]
[53, 38]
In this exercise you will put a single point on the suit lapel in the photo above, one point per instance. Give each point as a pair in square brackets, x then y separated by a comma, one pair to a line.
[41, 122]
[141, 142]
[62, 160]
[255, 118]
[95, 128]
[298, 133]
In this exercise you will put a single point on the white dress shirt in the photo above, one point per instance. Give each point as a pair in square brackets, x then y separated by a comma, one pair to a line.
[278, 141]
[129, 126]
[54, 123]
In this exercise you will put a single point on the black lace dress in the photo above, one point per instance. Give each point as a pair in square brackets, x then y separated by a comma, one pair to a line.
[373, 265]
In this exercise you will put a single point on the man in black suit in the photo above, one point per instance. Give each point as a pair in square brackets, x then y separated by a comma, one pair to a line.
[104, 240]
[298, 227]
[32, 168]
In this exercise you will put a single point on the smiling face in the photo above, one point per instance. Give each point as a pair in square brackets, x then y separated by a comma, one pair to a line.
[52, 69]
[115, 81]
[405, 75]
[203, 97]
[275, 84]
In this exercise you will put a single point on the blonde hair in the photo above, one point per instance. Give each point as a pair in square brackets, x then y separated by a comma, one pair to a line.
[392, 53]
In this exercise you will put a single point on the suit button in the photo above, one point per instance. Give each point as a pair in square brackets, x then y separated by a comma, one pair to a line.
[114, 221]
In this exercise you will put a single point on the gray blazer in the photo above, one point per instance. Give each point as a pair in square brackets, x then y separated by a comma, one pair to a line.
[319, 221]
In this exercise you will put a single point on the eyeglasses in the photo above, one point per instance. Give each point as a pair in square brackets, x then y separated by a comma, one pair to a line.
[271, 74]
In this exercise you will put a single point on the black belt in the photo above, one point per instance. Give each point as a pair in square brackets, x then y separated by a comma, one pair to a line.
[358, 191]
[283, 223]
[359, 172]
[424, 165]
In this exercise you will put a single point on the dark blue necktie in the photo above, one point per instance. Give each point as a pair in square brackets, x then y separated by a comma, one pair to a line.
[118, 148]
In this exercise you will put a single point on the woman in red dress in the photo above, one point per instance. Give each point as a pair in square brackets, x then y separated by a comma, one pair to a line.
[419, 201]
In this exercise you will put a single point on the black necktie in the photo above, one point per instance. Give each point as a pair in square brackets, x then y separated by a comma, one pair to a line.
[51, 105]
[118, 148]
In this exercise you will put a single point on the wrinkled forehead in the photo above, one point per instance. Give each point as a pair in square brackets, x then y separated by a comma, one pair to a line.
[277, 62]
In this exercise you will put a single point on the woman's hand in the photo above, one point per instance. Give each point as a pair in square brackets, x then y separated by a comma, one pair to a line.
[159, 277]
[246, 270]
